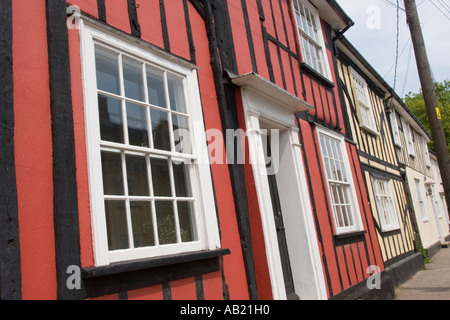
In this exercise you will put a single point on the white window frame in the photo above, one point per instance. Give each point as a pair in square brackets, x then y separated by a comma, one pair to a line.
[353, 202]
[426, 152]
[366, 116]
[385, 204]
[312, 38]
[407, 131]
[395, 129]
[444, 206]
[199, 174]
[421, 200]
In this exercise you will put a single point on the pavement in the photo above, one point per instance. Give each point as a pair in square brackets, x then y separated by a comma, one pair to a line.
[433, 283]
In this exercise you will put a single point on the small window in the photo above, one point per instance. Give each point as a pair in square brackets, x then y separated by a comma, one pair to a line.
[367, 119]
[395, 129]
[340, 182]
[407, 131]
[426, 153]
[385, 204]
[444, 204]
[420, 199]
[149, 195]
[311, 37]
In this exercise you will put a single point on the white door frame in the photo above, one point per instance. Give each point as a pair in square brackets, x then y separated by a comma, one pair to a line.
[270, 106]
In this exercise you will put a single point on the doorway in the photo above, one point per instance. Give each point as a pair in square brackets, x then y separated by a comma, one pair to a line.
[278, 218]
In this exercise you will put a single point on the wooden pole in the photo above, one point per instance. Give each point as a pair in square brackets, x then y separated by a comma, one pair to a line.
[429, 95]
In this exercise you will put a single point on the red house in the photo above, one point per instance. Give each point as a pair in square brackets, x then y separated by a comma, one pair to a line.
[188, 149]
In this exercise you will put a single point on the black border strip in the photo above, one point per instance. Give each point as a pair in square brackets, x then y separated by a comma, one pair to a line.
[65, 199]
[125, 276]
[101, 5]
[189, 32]
[223, 57]
[134, 22]
[249, 35]
[165, 31]
[377, 160]
[10, 264]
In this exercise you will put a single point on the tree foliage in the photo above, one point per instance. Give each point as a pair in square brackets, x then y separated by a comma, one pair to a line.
[416, 103]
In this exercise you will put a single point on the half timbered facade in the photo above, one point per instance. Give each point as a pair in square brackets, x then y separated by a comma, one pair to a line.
[195, 149]
[365, 99]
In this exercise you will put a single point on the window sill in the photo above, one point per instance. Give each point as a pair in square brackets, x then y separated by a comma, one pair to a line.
[124, 276]
[349, 237]
[316, 75]
[369, 130]
[391, 232]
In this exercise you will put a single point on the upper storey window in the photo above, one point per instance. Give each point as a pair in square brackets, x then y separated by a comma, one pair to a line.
[311, 37]
[367, 119]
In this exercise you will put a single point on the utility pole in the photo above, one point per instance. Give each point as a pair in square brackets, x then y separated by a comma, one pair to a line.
[429, 95]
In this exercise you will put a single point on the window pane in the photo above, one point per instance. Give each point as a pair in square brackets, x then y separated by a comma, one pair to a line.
[160, 129]
[161, 177]
[142, 223]
[137, 176]
[107, 67]
[166, 222]
[137, 125]
[340, 222]
[181, 134]
[116, 224]
[112, 173]
[132, 79]
[176, 94]
[155, 84]
[110, 114]
[187, 221]
[182, 181]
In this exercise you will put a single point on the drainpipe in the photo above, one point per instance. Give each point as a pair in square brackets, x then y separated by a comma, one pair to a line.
[350, 23]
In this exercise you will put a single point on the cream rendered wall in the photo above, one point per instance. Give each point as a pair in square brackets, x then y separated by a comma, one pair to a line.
[428, 228]
[439, 189]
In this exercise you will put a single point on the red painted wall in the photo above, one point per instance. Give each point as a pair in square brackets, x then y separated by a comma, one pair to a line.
[33, 144]
[33, 150]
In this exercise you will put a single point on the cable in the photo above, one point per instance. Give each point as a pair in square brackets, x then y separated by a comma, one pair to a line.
[398, 33]
[392, 4]
[439, 9]
[400, 55]
[445, 4]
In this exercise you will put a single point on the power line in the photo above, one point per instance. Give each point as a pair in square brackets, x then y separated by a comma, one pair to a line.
[396, 50]
[400, 55]
[439, 9]
[444, 5]
[392, 4]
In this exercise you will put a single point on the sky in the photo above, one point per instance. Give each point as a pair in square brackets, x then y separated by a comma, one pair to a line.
[374, 35]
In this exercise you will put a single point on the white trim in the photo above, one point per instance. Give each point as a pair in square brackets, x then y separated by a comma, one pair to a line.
[355, 210]
[306, 263]
[391, 210]
[205, 212]
[371, 126]
[426, 152]
[254, 82]
[421, 200]
[407, 131]
[395, 129]
[320, 43]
